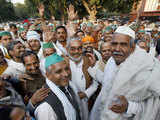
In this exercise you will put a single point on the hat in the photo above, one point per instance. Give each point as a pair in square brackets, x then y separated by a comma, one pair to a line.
[48, 45]
[33, 35]
[89, 24]
[88, 38]
[5, 33]
[126, 31]
[21, 30]
[53, 59]
[141, 31]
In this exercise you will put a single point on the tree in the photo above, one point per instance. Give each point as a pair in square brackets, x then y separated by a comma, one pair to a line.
[21, 11]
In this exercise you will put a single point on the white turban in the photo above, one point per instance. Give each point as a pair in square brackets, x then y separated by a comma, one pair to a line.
[33, 35]
[126, 31]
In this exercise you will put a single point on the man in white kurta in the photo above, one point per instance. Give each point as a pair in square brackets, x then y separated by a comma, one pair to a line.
[77, 63]
[132, 92]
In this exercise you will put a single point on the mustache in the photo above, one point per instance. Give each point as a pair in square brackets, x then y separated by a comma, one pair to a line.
[117, 53]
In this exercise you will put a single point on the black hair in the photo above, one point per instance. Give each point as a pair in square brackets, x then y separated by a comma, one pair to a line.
[63, 27]
[78, 32]
[12, 44]
[12, 25]
[28, 53]
[158, 47]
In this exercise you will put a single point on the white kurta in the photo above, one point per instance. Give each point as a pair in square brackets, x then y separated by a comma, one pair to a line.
[61, 48]
[14, 69]
[78, 79]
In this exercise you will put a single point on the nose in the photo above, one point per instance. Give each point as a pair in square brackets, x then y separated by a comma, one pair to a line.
[118, 47]
[65, 73]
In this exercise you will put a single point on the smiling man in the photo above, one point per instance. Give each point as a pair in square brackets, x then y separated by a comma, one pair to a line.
[133, 82]
[62, 102]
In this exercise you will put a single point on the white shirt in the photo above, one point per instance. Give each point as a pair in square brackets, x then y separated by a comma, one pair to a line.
[14, 69]
[79, 80]
[45, 112]
[61, 48]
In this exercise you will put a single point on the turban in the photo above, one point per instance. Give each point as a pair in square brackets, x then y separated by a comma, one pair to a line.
[25, 24]
[48, 45]
[88, 38]
[5, 33]
[126, 31]
[53, 59]
[33, 35]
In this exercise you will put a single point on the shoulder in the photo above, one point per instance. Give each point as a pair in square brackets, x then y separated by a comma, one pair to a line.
[45, 112]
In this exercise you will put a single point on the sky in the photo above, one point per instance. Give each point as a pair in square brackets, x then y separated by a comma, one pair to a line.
[17, 1]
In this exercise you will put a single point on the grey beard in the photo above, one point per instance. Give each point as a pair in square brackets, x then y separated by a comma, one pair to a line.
[75, 59]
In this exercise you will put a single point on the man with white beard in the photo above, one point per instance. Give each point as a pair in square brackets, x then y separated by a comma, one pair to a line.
[79, 65]
[132, 90]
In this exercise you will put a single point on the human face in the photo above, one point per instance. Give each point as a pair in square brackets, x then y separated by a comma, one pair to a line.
[106, 51]
[14, 29]
[34, 45]
[80, 35]
[2, 88]
[59, 73]
[32, 65]
[75, 49]
[88, 44]
[121, 47]
[5, 40]
[48, 51]
[23, 35]
[143, 45]
[61, 35]
[107, 37]
[18, 50]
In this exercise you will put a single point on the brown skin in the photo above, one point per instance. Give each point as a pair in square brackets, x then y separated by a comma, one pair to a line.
[80, 35]
[59, 74]
[143, 45]
[39, 95]
[17, 52]
[14, 30]
[87, 44]
[61, 36]
[32, 65]
[34, 45]
[75, 49]
[120, 108]
[18, 113]
[106, 51]
[121, 44]
[48, 51]
[2, 89]
[5, 40]
[23, 35]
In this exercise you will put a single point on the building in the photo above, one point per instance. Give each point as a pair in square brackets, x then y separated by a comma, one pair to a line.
[147, 8]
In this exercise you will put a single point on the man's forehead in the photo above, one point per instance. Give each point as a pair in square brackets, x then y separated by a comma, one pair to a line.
[75, 43]
[30, 58]
[59, 65]
[120, 38]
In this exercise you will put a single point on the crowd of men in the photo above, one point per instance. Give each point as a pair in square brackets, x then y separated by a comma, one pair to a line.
[106, 69]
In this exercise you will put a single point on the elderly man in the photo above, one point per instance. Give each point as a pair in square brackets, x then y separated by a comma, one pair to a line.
[62, 102]
[132, 89]
[5, 38]
[15, 66]
[79, 65]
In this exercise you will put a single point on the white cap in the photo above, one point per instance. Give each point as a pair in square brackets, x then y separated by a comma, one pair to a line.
[33, 35]
[126, 31]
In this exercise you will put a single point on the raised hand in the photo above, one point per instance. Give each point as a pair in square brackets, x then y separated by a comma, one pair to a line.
[72, 14]
[41, 10]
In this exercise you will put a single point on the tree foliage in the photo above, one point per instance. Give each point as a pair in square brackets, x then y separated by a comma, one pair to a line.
[6, 11]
